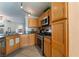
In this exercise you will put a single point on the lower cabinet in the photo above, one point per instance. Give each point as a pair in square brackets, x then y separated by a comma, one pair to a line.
[31, 39]
[27, 40]
[9, 44]
[58, 50]
[47, 47]
[12, 43]
[17, 43]
[24, 41]
[59, 38]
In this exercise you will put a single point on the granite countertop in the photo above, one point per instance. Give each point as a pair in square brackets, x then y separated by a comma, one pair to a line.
[1, 38]
[49, 37]
[30, 32]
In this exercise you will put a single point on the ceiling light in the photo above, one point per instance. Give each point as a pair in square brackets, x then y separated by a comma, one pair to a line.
[21, 5]
[29, 15]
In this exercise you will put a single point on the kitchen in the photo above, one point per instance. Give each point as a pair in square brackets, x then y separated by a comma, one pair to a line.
[42, 25]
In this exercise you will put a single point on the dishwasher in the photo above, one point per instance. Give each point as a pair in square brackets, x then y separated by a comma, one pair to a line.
[2, 46]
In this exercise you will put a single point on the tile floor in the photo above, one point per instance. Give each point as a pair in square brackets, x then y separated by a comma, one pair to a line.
[26, 52]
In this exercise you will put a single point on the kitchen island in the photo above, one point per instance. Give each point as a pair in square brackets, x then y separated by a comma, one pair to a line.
[17, 41]
[11, 43]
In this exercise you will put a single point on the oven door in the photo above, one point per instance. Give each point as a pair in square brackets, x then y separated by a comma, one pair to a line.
[39, 43]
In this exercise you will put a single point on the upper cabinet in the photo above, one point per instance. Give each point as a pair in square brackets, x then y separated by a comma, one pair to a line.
[59, 10]
[32, 22]
[45, 14]
[39, 22]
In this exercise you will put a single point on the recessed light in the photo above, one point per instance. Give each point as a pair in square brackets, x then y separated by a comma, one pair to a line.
[29, 15]
[21, 6]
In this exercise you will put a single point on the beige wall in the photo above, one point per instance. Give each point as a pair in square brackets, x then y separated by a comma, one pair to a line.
[74, 29]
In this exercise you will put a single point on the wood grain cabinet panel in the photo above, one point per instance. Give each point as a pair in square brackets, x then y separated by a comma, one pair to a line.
[24, 41]
[9, 49]
[39, 22]
[47, 47]
[59, 10]
[58, 50]
[32, 22]
[31, 39]
[17, 43]
[45, 14]
[59, 31]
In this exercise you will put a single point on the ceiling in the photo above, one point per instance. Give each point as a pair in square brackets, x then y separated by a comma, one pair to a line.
[15, 13]
[35, 8]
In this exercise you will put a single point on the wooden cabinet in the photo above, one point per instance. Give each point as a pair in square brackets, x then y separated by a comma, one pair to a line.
[24, 41]
[11, 45]
[59, 10]
[45, 14]
[27, 40]
[10, 42]
[17, 42]
[47, 49]
[59, 38]
[31, 39]
[39, 22]
[59, 23]
[32, 22]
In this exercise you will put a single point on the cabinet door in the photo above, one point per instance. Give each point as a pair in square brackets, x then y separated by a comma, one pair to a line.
[32, 22]
[59, 10]
[17, 42]
[9, 45]
[39, 22]
[45, 14]
[47, 47]
[31, 39]
[23, 41]
[59, 35]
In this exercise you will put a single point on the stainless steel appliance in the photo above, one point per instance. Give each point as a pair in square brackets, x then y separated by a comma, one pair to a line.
[45, 21]
[40, 43]
[46, 31]
[2, 45]
[2, 40]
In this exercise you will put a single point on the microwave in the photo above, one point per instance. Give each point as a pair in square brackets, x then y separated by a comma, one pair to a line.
[45, 21]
